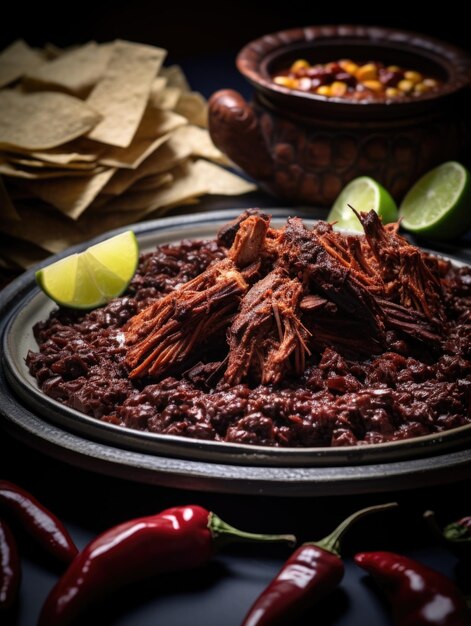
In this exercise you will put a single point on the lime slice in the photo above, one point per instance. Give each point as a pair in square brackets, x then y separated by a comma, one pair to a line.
[363, 194]
[439, 204]
[92, 277]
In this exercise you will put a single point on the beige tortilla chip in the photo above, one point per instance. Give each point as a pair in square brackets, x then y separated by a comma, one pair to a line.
[42, 120]
[130, 200]
[183, 142]
[198, 142]
[76, 71]
[78, 150]
[44, 165]
[44, 227]
[16, 61]
[70, 195]
[152, 182]
[194, 107]
[51, 51]
[219, 180]
[158, 85]
[122, 93]
[175, 77]
[184, 186]
[14, 170]
[50, 230]
[123, 179]
[167, 98]
[152, 133]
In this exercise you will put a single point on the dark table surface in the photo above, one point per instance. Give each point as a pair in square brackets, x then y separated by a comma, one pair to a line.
[222, 592]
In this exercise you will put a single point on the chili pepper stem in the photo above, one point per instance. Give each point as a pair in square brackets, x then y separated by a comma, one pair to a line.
[331, 543]
[429, 517]
[224, 533]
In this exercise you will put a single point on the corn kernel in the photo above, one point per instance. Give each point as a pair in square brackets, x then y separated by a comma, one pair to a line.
[300, 64]
[406, 86]
[286, 81]
[414, 77]
[373, 85]
[338, 88]
[324, 90]
[393, 68]
[369, 71]
[349, 66]
[421, 88]
[431, 83]
[392, 92]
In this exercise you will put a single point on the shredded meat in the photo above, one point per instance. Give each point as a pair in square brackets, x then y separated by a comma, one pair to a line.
[283, 337]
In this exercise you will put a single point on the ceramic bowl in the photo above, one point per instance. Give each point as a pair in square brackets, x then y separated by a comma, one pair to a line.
[303, 147]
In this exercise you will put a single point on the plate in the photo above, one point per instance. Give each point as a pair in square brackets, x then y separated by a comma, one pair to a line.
[178, 461]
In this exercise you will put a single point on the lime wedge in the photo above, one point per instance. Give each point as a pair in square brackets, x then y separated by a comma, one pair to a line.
[439, 204]
[363, 194]
[92, 277]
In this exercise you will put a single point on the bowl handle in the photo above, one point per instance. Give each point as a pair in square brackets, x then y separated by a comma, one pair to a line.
[235, 130]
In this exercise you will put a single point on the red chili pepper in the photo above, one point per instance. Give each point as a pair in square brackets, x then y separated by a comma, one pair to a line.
[40, 523]
[10, 571]
[310, 572]
[419, 595]
[176, 539]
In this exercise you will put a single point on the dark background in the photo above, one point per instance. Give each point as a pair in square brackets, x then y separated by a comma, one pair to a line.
[194, 31]
[189, 28]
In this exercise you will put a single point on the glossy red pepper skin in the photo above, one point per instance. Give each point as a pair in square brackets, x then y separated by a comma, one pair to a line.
[38, 521]
[419, 595]
[178, 538]
[10, 571]
[313, 570]
[305, 577]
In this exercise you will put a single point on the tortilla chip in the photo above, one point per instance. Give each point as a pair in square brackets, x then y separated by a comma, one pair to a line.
[164, 158]
[76, 71]
[152, 182]
[129, 200]
[78, 150]
[198, 142]
[184, 185]
[158, 85]
[7, 208]
[70, 195]
[44, 227]
[122, 93]
[16, 61]
[44, 165]
[219, 180]
[183, 142]
[194, 107]
[175, 77]
[167, 98]
[51, 51]
[152, 132]
[13, 170]
[38, 121]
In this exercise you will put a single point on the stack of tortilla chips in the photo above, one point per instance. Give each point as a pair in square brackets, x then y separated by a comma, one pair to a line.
[94, 138]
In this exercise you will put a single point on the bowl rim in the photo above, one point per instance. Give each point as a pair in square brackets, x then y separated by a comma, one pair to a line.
[251, 60]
